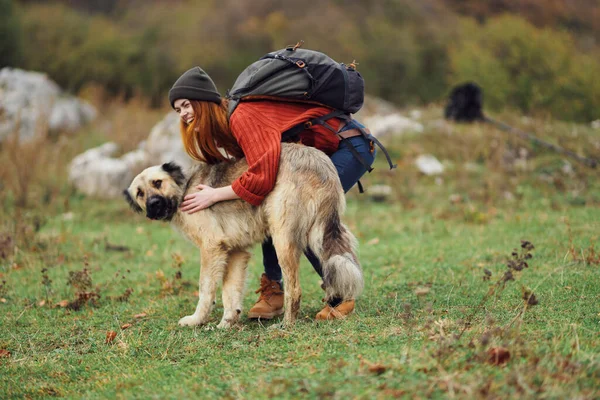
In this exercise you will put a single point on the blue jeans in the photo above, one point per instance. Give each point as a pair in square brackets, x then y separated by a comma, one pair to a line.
[349, 169]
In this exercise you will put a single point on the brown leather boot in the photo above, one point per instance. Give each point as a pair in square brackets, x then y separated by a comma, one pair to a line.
[338, 312]
[270, 301]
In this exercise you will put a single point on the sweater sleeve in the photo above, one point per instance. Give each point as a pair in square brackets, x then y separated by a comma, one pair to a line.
[260, 141]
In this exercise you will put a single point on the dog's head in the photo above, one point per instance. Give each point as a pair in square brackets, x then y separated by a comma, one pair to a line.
[157, 191]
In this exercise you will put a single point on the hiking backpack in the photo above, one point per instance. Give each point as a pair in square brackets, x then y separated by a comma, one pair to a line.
[308, 76]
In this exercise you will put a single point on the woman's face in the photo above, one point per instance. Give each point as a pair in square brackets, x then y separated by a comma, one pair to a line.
[183, 107]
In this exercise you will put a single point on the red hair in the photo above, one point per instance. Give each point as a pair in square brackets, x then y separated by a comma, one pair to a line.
[208, 131]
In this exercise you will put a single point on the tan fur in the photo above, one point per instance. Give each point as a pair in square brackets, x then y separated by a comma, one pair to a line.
[303, 209]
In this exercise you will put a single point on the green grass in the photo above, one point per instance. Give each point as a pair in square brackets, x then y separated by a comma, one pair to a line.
[423, 253]
[61, 352]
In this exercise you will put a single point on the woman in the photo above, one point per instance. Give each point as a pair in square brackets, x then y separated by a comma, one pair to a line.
[254, 132]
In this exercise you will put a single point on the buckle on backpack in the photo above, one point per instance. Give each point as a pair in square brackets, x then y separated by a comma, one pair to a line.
[300, 64]
[308, 125]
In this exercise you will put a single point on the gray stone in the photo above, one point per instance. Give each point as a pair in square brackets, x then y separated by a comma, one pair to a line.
[395, 124]
[164, 143]
[429, 165]
[384, 118]
[97, 173]
[32, 104]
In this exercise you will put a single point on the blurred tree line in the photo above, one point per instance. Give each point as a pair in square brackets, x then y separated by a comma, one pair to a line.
[409, 51]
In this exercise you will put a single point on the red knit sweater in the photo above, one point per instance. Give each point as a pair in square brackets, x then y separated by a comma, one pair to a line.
[257, 127]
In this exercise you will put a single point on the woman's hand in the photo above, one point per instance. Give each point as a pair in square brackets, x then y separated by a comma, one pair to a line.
[206, 197]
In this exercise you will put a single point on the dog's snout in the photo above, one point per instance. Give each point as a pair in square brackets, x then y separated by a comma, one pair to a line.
[155, 207]
[154, 201]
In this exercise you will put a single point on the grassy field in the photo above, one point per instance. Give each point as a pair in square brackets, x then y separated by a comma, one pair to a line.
[438, 318]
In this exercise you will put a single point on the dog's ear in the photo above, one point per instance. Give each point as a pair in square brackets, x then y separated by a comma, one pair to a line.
[175, 172]
[134, 206]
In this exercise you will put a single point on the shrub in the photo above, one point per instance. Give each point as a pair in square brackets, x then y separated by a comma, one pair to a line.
[408, 52]
[10, 35]
[531, 69]
[86, 49]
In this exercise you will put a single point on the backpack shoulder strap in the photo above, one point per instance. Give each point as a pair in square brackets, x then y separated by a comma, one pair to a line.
[290, 133]
[368, 134]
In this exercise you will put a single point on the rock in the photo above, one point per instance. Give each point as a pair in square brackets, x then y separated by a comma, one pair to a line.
[595, 124]
[32, 103]
[416, 114]
[96, 173]
[567, 168]
[381, 125]
[455, 198]
[383, 117]
[375, 106]
[164, 143]
[429, 165]
[69, 114]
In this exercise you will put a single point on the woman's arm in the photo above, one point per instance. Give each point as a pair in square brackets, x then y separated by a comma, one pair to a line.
[206, 197]
[260, 141]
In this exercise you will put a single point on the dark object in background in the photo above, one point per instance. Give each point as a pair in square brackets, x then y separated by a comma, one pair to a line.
[465, 103]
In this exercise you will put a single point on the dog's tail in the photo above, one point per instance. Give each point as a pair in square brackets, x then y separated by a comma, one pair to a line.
[335, 246]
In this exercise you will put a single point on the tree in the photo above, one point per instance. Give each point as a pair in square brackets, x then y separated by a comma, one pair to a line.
[10, 35]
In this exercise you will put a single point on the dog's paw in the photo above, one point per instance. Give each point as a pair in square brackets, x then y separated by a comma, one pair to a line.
[191, 320]
[226, 324]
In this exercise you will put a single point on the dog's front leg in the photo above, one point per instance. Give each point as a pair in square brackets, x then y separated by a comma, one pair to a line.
[234, 283]
[211, 273]
[289, 259]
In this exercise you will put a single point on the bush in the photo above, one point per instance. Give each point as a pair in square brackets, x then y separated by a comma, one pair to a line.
[83, 50]
[400, 49]
[408, 52]
[521, 66]
[401, 53]
[10, 35]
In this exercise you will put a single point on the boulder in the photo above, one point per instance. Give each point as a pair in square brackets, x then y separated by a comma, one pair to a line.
[383, 118]
[429, 165]
[164, 143]
[395, 124]
[31, 103]
[69, 114]
[97, 173]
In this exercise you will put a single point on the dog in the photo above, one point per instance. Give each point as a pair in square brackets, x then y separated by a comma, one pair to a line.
[303, 210]
[465, 103]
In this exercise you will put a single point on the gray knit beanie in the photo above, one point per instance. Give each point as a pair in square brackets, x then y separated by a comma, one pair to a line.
[194, 84]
